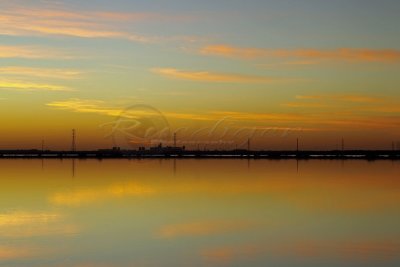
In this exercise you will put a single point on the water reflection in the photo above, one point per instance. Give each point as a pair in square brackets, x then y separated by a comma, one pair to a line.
[199, 213]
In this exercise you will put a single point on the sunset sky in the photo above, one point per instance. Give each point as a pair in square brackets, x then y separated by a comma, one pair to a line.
[270, 70]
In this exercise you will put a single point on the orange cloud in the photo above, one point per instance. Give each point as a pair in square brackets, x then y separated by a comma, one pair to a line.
[205, 76]
[347, 54]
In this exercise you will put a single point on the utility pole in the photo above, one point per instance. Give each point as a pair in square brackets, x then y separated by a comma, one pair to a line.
[73, 145]
[42, 145]
[342, 144]
[248, 144]
[297, 145]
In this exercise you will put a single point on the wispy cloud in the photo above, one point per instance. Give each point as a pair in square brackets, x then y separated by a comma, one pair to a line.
[33, 52]
[86, 106]
[345, 98]
[41, 72]
[30, 86]
[332, 101]
[340, 54]
[206, 76]
[249, 116]
[47, 21]
[102, 108]
[284, 120]
[305, 105]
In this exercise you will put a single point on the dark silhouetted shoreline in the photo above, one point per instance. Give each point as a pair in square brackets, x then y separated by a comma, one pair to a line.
[174, 153]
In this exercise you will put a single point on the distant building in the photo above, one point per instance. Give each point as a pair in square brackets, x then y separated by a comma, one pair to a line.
[167, 149]
[114, 149]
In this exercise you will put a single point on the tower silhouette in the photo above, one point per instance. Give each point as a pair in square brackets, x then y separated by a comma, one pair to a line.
[73, 145]
[174, 139]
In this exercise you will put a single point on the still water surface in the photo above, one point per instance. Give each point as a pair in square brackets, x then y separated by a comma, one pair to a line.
[199, 213]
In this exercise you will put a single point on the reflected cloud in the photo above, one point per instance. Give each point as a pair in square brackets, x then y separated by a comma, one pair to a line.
[15, 253]
[23, 218]
[30, 224]
[203, 228]
[80, 197]
[349, 250]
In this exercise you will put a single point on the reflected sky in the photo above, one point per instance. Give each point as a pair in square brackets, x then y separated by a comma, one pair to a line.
[199, 213]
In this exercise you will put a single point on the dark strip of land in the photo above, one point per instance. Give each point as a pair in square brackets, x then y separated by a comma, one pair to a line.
[116, 154]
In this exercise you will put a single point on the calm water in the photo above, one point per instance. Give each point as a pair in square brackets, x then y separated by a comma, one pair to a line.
[199, 213]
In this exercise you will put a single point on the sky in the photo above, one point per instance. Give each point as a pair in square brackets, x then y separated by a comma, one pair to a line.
[215, 72]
